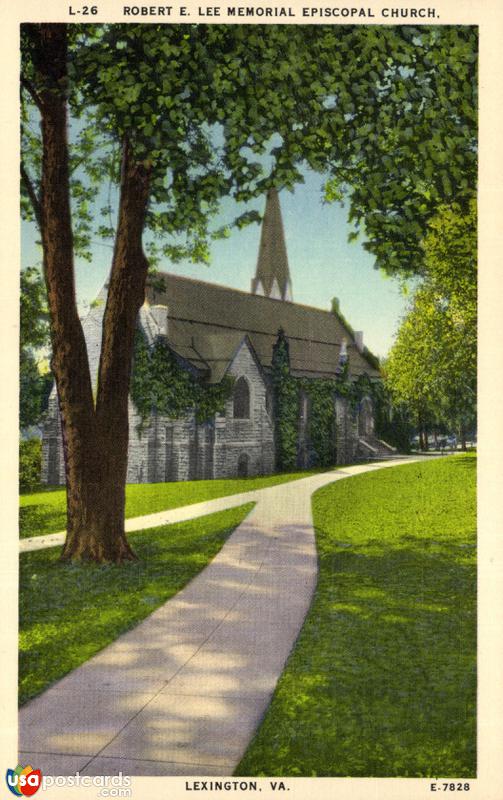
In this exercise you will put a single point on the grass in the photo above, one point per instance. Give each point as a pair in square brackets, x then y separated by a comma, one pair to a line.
[44, 511]
[69, 612]
[382, 680]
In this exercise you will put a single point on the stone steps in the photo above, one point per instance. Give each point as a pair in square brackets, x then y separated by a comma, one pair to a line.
[372, 447]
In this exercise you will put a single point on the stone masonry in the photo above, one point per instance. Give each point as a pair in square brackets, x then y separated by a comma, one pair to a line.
[218, 331]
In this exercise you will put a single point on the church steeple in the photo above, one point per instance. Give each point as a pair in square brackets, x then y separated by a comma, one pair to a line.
[272, 277]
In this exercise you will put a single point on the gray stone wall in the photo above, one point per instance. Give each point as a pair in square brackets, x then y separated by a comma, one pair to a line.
[346, 431]
[53, 463]
[251, 439]
[163, 449]
[92, 326]
[53, 459]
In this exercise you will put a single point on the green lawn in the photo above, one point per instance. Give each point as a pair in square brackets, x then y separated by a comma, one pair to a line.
[45, 511]
[382, 681]
[70, 611]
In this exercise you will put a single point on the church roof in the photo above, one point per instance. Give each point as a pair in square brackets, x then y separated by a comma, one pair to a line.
[207, 322]
[272, 274]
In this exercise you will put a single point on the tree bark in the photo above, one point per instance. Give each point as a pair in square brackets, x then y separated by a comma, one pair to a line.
[126, 292]
[96, 439]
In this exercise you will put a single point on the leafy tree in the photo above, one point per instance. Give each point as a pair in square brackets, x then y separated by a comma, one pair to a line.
[34, 334]
[400, 135]
[178, 117]
[157, 94]
[432, 366]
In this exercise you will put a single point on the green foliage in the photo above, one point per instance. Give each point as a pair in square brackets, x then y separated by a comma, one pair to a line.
[286, 405]
[45, 511]
[161, 383]
[321, 428]
[34, 318]
[321, 393]
[392, 421]
[382, 680]
[59, 626]
[34, 389]
[432, 367]
[398, 174]
[220, 111]
[35, 384]
[30, 464]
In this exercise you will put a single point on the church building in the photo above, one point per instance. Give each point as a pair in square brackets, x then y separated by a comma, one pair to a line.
[218, 334]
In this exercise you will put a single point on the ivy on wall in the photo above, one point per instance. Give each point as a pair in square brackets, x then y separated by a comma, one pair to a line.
[322, 420]
[286, 405]
[321, 425]
[161, 383]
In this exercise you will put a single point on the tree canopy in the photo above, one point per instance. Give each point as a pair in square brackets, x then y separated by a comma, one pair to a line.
[432, 366]
[389, 114]
[178, 117]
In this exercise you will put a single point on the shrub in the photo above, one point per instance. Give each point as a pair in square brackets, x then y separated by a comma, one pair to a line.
[30, 464]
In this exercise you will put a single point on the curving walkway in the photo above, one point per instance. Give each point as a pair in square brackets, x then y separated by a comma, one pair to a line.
[184, 691]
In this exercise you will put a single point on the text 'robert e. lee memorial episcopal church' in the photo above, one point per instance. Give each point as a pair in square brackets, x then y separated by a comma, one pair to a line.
[213, 331]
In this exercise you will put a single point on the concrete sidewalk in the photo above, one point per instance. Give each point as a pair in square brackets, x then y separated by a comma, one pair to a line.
[184, 691]
[168, 517]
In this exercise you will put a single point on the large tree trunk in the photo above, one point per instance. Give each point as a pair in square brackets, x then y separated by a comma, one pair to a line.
[105, 538]
[96, 440]
[69, 354]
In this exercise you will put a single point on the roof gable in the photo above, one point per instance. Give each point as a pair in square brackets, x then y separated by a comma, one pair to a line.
[208, 321]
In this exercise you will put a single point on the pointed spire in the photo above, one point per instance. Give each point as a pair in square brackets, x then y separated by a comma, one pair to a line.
[272, 277]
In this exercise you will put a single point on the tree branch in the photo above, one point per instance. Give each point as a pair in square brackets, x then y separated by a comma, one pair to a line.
[26, 84]
[35, 202]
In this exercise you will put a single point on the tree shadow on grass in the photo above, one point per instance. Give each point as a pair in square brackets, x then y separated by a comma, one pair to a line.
[383, 679]
[68, 612]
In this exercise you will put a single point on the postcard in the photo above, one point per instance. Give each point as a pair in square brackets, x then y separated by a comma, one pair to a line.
[252, 405]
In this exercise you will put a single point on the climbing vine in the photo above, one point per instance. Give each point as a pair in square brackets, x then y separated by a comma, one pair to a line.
[286, 405]
[321, 426]
[161, 383]
[321, 393]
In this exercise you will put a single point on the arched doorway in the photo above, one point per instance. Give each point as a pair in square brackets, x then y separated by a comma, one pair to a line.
[243, 465]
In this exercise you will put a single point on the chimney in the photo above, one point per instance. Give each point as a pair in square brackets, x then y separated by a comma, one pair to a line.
[336, 305]
[359, 341]
[160, 315]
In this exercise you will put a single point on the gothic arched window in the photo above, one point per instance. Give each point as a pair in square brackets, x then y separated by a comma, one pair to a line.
[241, 399]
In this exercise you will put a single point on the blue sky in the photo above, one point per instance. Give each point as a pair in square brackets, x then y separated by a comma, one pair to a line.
[322, 263]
